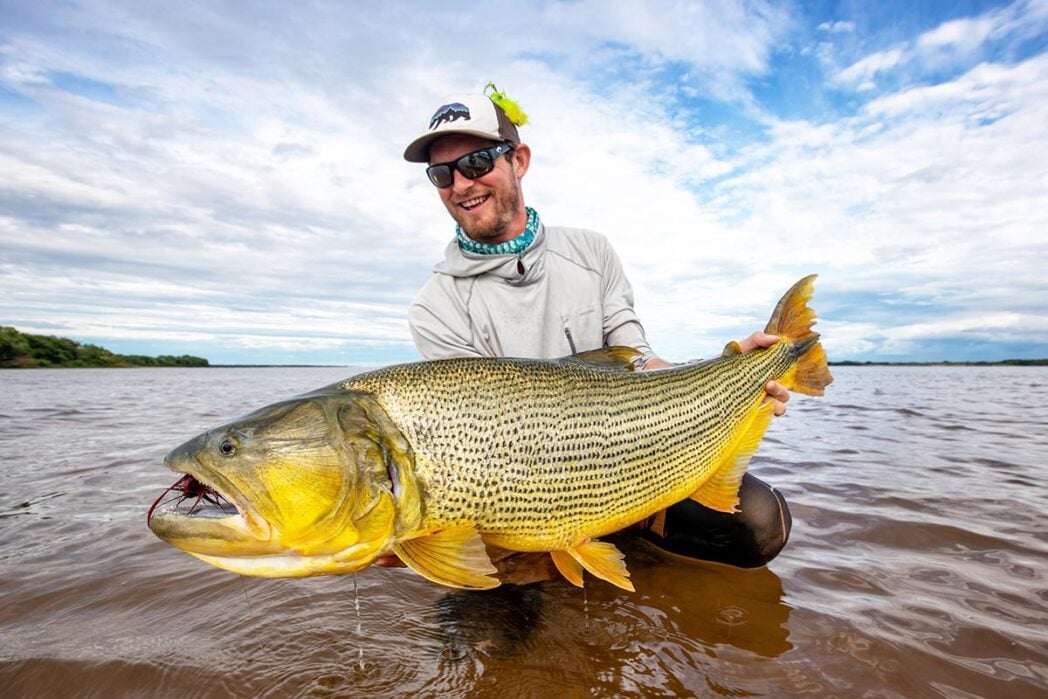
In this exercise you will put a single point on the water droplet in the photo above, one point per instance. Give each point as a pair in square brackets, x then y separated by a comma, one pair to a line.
[360, 634]
[732, 616]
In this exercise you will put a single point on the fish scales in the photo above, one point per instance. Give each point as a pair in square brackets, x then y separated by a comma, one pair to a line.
[589, 451]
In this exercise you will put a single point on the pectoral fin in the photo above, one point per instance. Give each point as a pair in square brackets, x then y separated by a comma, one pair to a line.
[454, 557]
[721, 492]
[600, 558]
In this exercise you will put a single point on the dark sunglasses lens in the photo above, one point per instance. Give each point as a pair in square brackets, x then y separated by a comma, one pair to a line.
[471, 165]
[440, 175]
[475, 165]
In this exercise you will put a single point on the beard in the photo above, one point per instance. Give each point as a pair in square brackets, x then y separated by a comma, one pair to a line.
[494, 227]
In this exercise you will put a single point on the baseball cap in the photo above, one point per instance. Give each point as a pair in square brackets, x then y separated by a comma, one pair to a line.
[475, 115]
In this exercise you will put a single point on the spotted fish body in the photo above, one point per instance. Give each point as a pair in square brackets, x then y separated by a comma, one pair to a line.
[439, 461]
[539, 455]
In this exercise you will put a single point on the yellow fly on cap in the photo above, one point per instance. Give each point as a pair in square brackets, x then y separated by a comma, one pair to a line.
[513, 111]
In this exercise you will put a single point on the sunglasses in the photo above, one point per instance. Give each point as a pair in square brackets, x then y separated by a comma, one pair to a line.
[471, 165]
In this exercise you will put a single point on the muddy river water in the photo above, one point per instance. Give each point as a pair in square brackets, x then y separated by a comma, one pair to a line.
[918, 564]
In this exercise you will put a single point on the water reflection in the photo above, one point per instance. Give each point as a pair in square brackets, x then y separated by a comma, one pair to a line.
[676, 632]
[496, 623]
[710, 604]
[715, 604]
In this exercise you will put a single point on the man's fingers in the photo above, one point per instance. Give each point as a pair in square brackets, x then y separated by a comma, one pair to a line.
[764, 339]
[778, 410]
[758, 339]
[779, 395]
[777, 391]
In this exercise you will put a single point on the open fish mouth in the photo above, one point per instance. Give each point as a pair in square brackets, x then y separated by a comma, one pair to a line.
[190, 497]
[195, 516]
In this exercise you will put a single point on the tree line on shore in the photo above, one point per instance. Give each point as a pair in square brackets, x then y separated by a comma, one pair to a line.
[947, 362]
[24, 350]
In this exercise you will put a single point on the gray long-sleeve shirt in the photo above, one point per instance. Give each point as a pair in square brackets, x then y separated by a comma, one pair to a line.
[566, 293]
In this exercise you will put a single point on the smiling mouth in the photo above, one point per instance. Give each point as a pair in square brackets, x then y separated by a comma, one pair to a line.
[190, 497]
[471, 204]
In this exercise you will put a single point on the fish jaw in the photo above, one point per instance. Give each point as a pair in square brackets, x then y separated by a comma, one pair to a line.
[209, 534]
[286, 565]
[376, 539]
[200, 514]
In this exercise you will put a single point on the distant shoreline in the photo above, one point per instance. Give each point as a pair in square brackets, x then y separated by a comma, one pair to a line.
[26, 351]
[20, 350]
[946, 362]
[846, 363]
[187, 366]
[279, 366]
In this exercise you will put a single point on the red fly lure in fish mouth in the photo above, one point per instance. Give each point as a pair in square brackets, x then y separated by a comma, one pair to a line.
[187, 487]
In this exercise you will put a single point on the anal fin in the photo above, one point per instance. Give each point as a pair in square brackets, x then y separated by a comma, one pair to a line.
[455, 557]
[598, 557]
[721, 491]
[568, 567]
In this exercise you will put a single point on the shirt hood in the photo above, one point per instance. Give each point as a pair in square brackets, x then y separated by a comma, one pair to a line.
[461, 264]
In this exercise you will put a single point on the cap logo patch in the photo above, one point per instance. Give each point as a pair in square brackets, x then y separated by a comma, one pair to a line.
[448, 113]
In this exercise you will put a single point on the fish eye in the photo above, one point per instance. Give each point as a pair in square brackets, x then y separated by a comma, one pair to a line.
[228, 447]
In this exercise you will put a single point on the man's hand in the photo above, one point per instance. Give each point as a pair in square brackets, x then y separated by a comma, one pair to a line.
[776, 392]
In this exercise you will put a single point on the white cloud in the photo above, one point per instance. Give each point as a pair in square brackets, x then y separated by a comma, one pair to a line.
[232, 185]
[241, 179]
[838, 27]
[863, 71]
[960, 34]
[709, 35]
[954, 43]
[921, 195]
[918, 194]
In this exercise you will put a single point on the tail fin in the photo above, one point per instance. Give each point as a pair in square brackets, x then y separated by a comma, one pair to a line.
[792, 321]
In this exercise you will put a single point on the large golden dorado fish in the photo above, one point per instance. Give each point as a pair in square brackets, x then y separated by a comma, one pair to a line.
[433, 460]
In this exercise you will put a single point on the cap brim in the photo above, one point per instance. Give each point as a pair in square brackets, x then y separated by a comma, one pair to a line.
[418, 150]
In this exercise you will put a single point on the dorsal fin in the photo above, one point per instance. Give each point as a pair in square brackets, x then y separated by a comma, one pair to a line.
[621, 358]
[731, 349]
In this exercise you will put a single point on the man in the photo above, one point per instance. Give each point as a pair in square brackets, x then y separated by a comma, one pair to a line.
[511, 286]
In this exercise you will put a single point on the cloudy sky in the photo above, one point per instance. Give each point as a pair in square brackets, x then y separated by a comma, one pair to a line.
[225, 178]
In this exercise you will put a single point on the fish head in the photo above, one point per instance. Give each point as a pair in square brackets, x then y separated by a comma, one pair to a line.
[308, 486]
